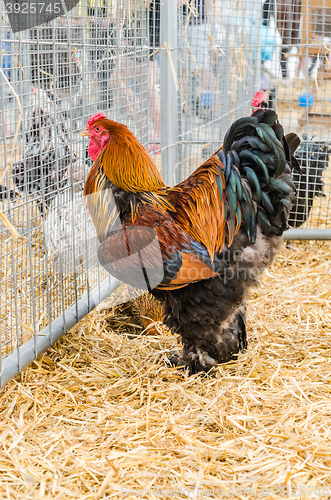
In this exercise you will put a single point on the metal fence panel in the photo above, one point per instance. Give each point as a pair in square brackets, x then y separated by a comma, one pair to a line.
[236, 56]
[218, 71]
[178, 74]
[54, 77]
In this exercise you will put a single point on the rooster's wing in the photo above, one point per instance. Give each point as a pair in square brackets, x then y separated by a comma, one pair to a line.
[154, 250]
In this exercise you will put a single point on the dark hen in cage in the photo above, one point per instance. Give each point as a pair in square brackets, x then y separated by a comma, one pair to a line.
[313, 158]
[48, 153]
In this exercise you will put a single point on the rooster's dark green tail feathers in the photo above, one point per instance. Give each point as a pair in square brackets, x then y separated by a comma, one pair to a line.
[256, 149]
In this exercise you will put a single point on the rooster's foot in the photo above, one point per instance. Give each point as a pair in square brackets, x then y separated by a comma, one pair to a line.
[175, 359]
[195, 361]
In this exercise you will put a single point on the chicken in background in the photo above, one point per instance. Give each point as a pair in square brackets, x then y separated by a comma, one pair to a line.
[149, 313]
[69, 232]
[48, 153]
[313, 158]
[215, 232]
[70, 236]
[7, 193]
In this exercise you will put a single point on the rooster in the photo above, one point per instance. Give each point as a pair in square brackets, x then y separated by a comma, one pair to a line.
[201, 244]
[48, 154]
[313, 158]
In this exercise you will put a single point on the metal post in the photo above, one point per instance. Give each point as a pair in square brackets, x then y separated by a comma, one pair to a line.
[168, 89]
[307, 234]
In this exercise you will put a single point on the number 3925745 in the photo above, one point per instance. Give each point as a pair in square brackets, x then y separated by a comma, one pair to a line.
[33, 8]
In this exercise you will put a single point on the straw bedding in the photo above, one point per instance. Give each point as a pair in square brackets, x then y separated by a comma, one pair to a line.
[102, 415]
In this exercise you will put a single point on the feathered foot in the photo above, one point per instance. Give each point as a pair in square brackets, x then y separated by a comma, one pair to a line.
[229, 341]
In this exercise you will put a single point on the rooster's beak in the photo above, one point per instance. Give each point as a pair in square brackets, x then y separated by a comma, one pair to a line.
[85, 132]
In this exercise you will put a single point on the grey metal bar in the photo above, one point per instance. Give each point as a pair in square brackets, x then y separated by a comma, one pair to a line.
[307, 234]
[69, 318]
[168, 91]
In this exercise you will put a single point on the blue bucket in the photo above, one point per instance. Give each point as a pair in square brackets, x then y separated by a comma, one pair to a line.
[305, 100]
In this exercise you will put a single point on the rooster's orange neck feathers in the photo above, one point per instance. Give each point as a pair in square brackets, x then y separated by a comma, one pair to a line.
[126, 162]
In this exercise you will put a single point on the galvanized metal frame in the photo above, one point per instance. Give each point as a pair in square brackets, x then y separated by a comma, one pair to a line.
[168, 90]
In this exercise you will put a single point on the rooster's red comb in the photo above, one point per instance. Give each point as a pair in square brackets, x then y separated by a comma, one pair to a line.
[96, 117]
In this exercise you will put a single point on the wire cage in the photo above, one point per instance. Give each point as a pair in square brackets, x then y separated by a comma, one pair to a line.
[54, 77]
[235, 57]
[177, 74]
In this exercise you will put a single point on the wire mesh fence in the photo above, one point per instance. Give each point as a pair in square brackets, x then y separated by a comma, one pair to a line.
[54, 77]
[235, 57]
[178, 74]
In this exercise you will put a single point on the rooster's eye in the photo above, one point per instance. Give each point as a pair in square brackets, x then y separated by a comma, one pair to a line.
[97, 129]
